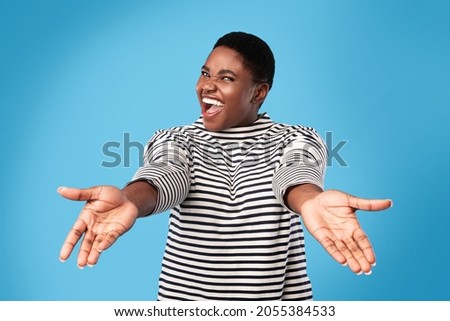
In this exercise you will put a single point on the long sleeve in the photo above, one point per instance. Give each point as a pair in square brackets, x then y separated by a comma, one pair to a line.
[166, 166]
[304, 159]
[230, 239]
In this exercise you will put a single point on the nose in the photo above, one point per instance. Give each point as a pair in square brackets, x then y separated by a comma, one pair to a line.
[208, 85]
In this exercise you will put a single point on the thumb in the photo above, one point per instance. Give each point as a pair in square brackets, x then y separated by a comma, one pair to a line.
[78, 194]
[369, 204]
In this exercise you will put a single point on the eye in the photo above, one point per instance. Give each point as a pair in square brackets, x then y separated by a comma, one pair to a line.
[227, 78]
[204, 74]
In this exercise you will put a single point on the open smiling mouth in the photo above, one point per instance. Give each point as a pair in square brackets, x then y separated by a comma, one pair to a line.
[211, 107]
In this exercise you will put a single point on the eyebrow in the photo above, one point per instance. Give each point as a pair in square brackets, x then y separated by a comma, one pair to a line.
[221, 71]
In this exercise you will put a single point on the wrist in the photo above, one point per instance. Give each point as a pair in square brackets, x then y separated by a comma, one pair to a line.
[297, 196]
[142, 195]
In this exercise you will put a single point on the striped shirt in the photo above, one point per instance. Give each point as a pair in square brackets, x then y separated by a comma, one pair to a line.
[231, 236]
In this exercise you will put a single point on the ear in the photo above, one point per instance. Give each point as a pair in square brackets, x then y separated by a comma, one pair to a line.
[260, 93]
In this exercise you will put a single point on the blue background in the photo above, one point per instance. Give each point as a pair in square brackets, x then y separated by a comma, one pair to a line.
[75, 75]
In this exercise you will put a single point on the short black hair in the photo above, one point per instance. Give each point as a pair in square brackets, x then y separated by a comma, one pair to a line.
[257, 55]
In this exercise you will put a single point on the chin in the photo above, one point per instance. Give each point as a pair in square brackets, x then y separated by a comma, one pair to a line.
[213, 128]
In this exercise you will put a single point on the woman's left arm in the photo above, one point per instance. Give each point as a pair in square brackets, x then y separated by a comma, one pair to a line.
[330, 216]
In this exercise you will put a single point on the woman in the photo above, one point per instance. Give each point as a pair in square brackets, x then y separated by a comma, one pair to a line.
[236, 183]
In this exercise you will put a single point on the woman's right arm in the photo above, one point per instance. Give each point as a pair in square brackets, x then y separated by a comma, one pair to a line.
[143, 195]
[109, 212]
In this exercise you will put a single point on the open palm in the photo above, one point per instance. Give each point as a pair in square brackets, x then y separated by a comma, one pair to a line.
[331, 218]
[106, 216]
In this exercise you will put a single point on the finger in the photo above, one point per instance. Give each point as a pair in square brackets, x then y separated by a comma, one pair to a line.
[329, 245]
[95, 252]
[85, 249]
[108, 240]
[72, 239]
[101, 243]
[358, 256]
[353, 264]
[368, 204]
[364, 244]
[78, 194]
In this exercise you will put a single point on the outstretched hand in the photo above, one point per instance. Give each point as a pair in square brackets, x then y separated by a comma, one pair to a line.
[330, 217]
[106, 216]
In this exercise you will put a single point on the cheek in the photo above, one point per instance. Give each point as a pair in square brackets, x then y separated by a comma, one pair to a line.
[198, 86]
[239, 97]
[232, 95]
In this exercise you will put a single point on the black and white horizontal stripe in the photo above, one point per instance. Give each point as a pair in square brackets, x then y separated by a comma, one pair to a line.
[230, 235]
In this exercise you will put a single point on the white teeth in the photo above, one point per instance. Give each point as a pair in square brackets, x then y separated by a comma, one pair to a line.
[211, 101]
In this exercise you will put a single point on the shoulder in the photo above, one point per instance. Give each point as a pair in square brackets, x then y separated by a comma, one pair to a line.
[181, 135]
[301, 139]
[289, 132]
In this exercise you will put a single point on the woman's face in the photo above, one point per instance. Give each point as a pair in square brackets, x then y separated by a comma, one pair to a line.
[228, 95]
